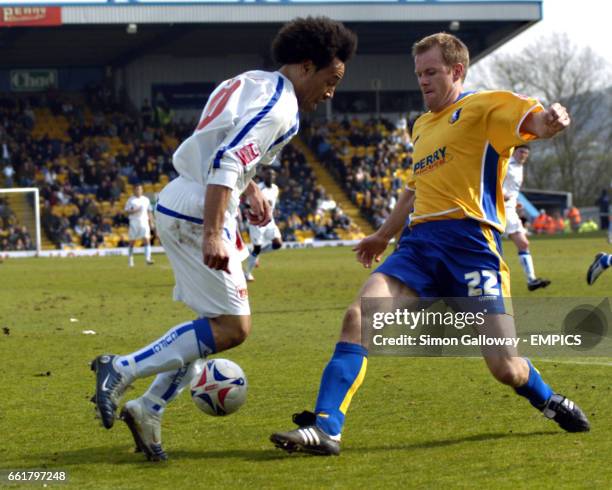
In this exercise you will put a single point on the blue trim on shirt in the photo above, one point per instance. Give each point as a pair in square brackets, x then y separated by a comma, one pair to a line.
[293, 130]
[244, 131]
[174, 214]
[489, 185]
[464, 94]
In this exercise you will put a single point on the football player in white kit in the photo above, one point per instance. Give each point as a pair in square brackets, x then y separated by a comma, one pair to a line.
[138, 208]
[268, 237]
[514, 226]
[245, 123]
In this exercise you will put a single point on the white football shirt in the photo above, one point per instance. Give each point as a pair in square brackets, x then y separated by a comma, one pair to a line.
[246, 122]
[269, 193]
[141, 203]
[513, 182]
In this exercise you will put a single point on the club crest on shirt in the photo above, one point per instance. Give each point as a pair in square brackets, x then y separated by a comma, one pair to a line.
[242, 293]
[455, 116]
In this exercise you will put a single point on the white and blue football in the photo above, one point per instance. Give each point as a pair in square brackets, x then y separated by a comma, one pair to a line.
[220, 388]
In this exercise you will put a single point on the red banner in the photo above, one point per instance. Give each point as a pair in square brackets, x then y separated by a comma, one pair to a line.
[30, 16]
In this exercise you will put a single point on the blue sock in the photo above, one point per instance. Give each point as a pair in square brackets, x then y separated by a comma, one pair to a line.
[341, 378]
[206, 340]
[535, 390]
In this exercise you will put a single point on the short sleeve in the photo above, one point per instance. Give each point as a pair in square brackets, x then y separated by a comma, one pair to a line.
[245, 145]
[506, 112]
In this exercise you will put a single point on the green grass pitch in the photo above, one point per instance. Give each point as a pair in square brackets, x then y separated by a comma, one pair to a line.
[415, 423]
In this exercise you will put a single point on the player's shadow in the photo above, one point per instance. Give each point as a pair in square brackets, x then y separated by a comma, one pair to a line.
[123, 455]
[451, 442]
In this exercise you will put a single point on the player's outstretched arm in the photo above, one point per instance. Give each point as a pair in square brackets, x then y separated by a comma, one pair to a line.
[372, 247]
[213, 251]
[259, 212]
[547, 123]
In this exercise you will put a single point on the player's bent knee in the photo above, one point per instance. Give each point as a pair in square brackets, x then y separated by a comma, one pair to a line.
[276, 244]
[351, 325]
[240, 331]
[231, 330]
[508, 371]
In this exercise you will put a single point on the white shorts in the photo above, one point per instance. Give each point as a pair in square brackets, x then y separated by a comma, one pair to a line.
[262, 235]
[513, 222]
[138, 230]
[208, 292]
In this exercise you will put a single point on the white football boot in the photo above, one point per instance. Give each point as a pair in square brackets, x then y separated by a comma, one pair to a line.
[146, 429]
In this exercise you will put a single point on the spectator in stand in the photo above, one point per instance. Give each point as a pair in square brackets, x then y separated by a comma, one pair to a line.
[558, 222]
[541, 223]
[146, 113]
[573, 214]
[6, 213]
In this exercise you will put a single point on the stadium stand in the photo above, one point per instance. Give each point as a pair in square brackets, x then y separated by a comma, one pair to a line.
[85, 154]
[370, 159]
[13, 235]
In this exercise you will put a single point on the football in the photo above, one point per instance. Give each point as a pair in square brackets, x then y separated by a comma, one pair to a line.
[220, 388]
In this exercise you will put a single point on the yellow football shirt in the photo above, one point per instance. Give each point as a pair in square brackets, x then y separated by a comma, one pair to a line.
[461, 156]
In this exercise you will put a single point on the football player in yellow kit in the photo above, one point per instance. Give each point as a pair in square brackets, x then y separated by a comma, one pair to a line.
[452, 248]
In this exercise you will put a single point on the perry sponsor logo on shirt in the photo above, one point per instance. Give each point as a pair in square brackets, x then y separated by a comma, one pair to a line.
[431, 161]
[247, 153]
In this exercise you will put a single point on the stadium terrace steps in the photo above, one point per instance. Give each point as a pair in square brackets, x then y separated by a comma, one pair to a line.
[325, 179]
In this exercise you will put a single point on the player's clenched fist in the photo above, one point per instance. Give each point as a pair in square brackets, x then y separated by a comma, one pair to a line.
[215, 255]
[556, 118]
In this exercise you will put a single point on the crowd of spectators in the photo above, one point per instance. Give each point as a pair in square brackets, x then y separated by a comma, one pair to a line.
[557, 222]
[13, 236]
[370, 159]
[304, 210]
[85, 153]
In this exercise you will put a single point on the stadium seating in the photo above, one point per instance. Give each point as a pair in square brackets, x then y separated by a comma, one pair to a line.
[85, 156]
[369, 159]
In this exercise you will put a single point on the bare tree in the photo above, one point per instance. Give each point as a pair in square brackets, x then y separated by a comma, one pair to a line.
[553, 69]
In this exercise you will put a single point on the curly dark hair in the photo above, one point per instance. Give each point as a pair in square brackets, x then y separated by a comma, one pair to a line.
[318, 39]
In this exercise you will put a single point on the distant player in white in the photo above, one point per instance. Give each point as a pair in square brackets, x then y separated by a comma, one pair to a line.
[268, 237]
[514, 226]
[138, 208]
[245, 123]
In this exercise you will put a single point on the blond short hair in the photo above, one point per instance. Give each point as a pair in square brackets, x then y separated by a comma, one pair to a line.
[452, 48]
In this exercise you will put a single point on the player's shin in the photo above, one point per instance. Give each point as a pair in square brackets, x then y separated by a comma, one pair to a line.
[527, 265]
[148, 252]
[167, 386]
[173, 350]
[251, 262]
[341, 379]
[535, 390]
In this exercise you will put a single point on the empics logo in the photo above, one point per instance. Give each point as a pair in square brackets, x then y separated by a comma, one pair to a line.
[431, 161]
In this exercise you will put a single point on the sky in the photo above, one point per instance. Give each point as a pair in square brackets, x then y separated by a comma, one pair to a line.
[586, 22]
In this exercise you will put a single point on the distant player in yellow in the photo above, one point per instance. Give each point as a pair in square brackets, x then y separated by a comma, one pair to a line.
[453, 248]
